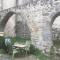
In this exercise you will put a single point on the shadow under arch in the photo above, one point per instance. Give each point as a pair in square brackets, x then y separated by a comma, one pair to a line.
[54, 17]
[22, 30]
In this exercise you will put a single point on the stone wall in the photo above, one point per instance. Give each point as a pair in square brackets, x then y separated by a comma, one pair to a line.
[38, 16]
[9, 30]
[32, 14]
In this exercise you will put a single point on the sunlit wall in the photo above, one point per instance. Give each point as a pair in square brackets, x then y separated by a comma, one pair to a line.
[8, 4]
[10, 27]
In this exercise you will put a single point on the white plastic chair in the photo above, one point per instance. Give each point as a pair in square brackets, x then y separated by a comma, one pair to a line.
[15, 50]
[27, 47]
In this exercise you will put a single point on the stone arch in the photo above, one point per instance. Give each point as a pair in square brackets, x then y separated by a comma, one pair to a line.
[17, 27]
[55, 16]
[6, 18]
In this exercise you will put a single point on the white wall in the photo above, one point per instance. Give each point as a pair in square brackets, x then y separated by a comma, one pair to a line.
[22, 2]
[56, 23]
[8, 4]
[0, 4]
[10, 27]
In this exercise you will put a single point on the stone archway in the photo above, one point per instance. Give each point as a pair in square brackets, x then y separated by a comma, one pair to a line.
[54, 25]
[55, 29]
[55, 16]
[52, 18]
[6, 18]
[21, 28]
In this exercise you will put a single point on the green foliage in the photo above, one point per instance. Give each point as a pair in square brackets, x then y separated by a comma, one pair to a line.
[19, 39]
[2, 51]
[32, 49]
[2, 45]
[38, 53]
[13, 40]
[56, 43]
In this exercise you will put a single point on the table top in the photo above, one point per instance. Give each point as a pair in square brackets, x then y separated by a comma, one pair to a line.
[19, 45]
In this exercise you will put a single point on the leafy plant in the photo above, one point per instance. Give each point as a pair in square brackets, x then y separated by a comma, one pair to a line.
[56, 43]
[2, 51]
[38, 53]
[19, 39]
[2, 45]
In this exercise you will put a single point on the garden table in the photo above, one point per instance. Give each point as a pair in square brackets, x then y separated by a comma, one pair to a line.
[18, 46]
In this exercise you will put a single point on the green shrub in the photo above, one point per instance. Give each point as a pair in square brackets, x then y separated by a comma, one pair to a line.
[19, 39]
[13, 40]
[2, 51]
[56, 43]
[8, 44]
[2, 45]
[38, 53]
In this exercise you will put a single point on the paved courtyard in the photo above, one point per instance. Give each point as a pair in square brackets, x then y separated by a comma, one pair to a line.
[7, 57]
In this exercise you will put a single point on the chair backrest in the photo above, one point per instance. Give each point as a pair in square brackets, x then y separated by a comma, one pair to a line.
[28, 45]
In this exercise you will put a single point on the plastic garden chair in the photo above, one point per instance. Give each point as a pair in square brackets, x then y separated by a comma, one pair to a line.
[15, 50]
[27, 47]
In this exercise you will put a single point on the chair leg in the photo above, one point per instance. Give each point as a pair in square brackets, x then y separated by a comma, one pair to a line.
[29, 52]
[26, 52]
[13, 56]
